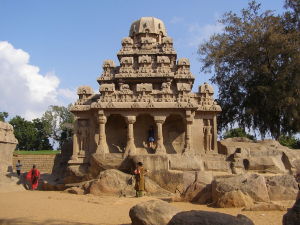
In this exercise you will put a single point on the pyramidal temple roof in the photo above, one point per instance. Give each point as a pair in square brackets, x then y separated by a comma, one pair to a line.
[148, 25]
[148, 75]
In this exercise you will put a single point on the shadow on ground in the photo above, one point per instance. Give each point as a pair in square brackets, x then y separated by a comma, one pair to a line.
[26, 221]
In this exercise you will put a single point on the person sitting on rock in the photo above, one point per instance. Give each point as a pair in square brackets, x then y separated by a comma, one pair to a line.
[139, 174]
[151, 138]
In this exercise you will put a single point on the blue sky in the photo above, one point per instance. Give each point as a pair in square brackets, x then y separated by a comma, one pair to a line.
[49, 48]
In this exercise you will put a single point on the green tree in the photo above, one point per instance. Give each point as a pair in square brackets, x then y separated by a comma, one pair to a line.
[256, 64]
[237, 132]
[59, 120]
[3, 116]
[294, 6]
[42, 135]
[25, 133]
[31, 135]
[290, 141]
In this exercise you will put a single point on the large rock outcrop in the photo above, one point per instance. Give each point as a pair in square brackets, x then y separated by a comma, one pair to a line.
[208, 218]
[153, 212]
[8, 144]
[200, 189]
[282, 187]
[266, 156]
[253, 185]
[115, 182]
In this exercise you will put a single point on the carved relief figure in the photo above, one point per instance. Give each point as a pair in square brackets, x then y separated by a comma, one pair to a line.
[147, 43]
[145, 64]
[127, 44]
[167, 44]
[126, 65]
[83, 136]
[207, 130]
[163, 64]
[108, 68]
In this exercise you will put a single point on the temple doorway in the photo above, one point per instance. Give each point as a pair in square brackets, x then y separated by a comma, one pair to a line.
[141, 129]
[116, 133]
[174, 134]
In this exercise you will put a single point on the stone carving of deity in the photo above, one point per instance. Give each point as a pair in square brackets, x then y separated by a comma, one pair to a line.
[83, 136]
[207, 130]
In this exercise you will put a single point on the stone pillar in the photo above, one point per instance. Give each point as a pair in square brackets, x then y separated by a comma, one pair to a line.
[75, 140]
[130, 147]
[160, 148]
[102, 147]
[215, 135]
[188, 134]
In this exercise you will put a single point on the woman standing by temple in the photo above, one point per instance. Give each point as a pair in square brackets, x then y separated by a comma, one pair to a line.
[139, 173]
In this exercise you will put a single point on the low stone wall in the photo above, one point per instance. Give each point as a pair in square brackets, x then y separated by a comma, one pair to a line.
[44, 163]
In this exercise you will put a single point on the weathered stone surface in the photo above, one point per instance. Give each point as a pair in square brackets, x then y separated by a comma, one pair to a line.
[234, 199]
[153, 212]
[270, 164]
[75, 190]
[185, 162]
[76, 173]
[292, 217]
[208, 218]
[266, 156]
[283, 187]
[251, 184]
[11, 184]
[115, 182]
[265, 206]
[101, 162]
[200, 190]
[8, 144]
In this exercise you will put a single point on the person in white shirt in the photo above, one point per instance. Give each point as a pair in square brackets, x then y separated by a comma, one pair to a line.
[18, 167]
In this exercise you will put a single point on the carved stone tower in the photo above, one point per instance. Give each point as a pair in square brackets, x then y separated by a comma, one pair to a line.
[149, 89]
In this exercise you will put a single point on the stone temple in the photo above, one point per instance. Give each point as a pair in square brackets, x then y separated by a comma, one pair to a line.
[150, 88]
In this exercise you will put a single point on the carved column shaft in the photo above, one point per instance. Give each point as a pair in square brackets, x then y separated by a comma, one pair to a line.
[215, 133]
[130, 147]
[188, 133]
[75, 141]
[160, 148]
[102, 144]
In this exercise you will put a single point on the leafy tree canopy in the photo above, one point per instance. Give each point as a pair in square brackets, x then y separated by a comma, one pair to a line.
[289, 141]
[256, 64]
[59, 122]
[3, 116]
[237, 132]
[30, 135]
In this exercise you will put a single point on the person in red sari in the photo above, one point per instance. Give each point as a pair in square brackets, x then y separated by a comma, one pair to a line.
[33, 177]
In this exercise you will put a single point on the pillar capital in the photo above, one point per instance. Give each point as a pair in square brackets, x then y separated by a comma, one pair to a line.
[130, 119]
[189, 116]
[159, 119]
[102, 119]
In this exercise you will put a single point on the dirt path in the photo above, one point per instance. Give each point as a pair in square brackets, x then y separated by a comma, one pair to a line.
[49, 208]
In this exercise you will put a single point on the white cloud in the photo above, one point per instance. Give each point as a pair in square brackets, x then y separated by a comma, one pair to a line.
[176, 20]
[23, 90]
[198, 33]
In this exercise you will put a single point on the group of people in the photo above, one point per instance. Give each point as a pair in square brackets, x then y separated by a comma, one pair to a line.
[32, 176]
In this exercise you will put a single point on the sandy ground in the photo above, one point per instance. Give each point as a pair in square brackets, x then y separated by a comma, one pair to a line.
[41, 207]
